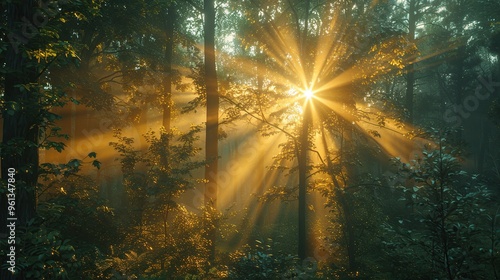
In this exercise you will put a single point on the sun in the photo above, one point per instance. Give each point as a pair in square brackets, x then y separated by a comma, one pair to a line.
[308, 93]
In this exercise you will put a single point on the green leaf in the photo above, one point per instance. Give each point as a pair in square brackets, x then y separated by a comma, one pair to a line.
[75, 163]
[97, 164]
[92, 155]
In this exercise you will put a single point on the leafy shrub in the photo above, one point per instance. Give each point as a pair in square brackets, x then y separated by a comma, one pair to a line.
[261, 263]
[43, 253]
[446, 235]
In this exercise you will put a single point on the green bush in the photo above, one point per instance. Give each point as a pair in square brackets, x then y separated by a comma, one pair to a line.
[261, 263]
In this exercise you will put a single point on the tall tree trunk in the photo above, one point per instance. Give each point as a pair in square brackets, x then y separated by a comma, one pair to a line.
[167, 116]
[20, 130]
[345, 206]
[169, 49]
[303, 151]
[459, 67]
[211, 146]
[410, 69]
[302, 208]
[167, 93]
[349, 231]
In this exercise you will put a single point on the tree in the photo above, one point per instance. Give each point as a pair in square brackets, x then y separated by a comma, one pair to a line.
[410, 76]
[212, 132]
[448, 231]
[302, 57]
[169, 32]
[26, 103]
[153, 212]
[21, 112]
[20, 115]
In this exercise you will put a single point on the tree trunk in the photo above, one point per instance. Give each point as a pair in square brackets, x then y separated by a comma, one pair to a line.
[349, 232]
[459, 68]
[167, 94]
[211, 146]
[169, 49]
[303, 150]
[302, 207]
[410, 69]
[20, 129]
[344, 204]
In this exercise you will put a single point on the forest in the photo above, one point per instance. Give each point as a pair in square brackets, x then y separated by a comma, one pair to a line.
[251, 139]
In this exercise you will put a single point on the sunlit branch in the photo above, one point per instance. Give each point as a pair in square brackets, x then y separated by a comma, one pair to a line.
[47, 66]
[262, 119]
[318, 154]
[314, 173]
[382, 126]
[110, 75]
